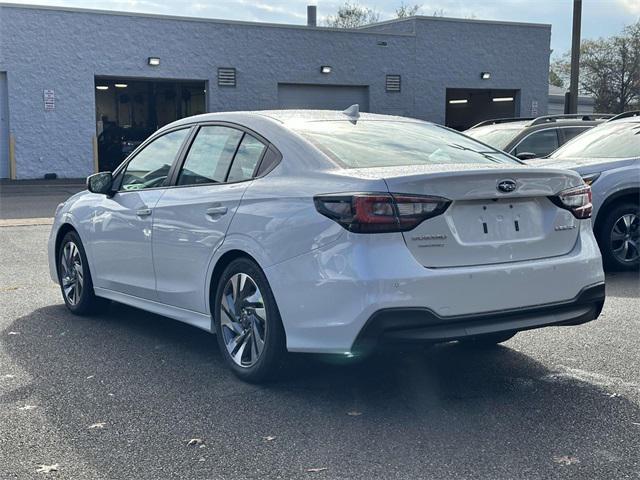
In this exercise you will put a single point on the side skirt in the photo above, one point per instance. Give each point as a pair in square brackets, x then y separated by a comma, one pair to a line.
[196, 319]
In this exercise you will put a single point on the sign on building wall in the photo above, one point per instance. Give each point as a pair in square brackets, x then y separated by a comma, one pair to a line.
[534, 108]
[49, 100]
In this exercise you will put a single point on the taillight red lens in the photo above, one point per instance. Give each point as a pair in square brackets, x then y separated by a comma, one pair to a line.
[379, 212]
[577, 200]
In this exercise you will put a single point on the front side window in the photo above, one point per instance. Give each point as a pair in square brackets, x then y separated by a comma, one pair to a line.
[210, 156]
[249, 154]
[610, 140]
[381, 143]
[150, 167]
[539, 143]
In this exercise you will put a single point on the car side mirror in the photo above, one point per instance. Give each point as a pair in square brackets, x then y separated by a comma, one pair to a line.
[526, 156]
[100, 183]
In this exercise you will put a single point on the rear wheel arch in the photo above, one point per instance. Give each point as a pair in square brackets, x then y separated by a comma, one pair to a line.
[629, 195]
[221, 264]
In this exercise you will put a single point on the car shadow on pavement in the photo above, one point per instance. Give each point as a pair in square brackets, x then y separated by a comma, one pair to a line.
[402, 413]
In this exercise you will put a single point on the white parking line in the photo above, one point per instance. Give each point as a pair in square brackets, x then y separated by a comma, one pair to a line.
[615, 384]
[25, 222]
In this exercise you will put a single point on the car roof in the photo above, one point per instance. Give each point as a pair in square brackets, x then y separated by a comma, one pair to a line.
[254, 118]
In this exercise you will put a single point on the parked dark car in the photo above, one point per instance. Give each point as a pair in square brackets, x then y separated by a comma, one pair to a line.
[528, 138]
[116, 143]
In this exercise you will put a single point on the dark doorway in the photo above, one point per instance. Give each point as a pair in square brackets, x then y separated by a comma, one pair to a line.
[129, 110]
[466, 107]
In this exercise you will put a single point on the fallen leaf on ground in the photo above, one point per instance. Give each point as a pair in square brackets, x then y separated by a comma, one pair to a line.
[48, 468]
[565, 460]
[97, 425]
[27, 407]
[268, 438]
[354, 413]
[13, 333]
[195, 441]
[316, 470]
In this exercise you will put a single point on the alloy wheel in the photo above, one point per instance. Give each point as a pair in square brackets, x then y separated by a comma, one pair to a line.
[72, 276]
[625, 237]
[243, 319]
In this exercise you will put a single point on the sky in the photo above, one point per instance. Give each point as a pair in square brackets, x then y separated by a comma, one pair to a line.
[600, 18]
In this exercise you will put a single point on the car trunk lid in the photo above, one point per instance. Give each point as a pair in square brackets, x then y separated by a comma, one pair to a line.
[487, 222]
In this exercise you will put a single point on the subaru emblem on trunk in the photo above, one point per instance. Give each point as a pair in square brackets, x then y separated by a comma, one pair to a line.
[506, 186]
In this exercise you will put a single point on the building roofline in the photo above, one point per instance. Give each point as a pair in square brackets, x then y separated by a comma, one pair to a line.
[156, 16]
[457, 20]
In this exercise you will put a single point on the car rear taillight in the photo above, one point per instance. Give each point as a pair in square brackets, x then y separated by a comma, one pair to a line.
[379, 212]
[577, 200]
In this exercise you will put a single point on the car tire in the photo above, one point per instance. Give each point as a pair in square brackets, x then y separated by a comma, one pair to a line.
[620, 227]
[247, 322]
[488, 340]
[74, 277]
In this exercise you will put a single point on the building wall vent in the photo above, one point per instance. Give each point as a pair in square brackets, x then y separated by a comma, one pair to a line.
[392, 83]
[226, 77]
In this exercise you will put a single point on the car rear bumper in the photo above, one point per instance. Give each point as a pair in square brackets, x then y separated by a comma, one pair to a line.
[327, 297]
[424, 325]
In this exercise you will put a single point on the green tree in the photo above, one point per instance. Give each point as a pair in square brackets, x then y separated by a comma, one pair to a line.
[609, 70]
[352, 15]
[404, 11]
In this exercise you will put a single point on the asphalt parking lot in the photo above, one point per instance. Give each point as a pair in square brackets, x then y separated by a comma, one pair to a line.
[128, 394]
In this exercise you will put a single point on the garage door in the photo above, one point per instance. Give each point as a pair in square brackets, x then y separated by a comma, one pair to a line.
[4, 127]
[322, 97]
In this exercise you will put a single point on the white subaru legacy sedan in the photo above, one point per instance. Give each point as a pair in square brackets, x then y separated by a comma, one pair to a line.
[322, 231]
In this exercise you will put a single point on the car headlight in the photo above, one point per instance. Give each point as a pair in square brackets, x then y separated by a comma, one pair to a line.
[589, 179]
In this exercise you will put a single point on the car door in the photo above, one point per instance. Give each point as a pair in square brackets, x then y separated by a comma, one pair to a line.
[121, 225]
[191, 219]
[540, 143]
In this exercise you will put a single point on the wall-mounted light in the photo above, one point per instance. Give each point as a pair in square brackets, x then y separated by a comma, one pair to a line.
[503, 99]
[120, 85]
[456, 102]
[325, 69]
[485, 75]
[102, 87]
[153, 61]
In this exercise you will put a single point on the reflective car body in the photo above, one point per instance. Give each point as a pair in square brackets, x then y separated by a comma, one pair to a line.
[480, 260]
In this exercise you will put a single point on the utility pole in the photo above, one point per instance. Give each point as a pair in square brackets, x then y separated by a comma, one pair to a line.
[571, 100]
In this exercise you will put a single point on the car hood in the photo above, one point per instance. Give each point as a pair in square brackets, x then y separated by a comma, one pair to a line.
[583, 165]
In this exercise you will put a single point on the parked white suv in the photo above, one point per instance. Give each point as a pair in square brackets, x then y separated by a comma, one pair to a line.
[318, 231]
[608, 158]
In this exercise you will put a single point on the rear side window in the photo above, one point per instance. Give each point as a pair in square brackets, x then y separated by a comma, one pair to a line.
[210, 155]
[379, 143]
[249, 154]
[540, 143]
[570, 133]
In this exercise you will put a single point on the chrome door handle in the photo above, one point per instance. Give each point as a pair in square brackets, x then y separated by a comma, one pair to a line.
[216, 211]
[143, 212]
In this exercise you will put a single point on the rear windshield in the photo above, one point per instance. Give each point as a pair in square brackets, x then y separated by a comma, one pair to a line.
[378, 143]
[610, 140]
[496, 137]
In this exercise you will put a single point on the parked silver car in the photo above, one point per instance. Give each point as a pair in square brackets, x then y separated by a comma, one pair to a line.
[608, 158]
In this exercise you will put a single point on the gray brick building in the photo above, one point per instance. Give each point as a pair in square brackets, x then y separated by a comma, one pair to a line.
[80, 88]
